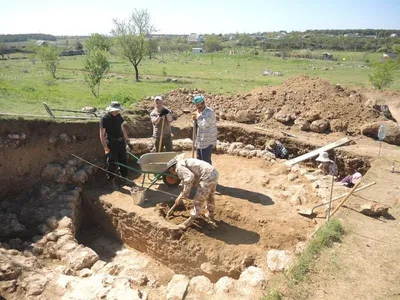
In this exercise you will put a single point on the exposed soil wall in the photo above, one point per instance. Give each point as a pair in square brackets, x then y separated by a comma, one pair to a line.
[27, 146]
[347, 163]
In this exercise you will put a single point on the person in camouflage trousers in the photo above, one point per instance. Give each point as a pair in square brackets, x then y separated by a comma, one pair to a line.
[196, 173]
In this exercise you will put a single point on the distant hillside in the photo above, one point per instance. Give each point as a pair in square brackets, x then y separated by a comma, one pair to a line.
[11, 38]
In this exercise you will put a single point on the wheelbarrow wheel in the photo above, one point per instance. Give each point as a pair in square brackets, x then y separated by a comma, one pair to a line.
[171, 180]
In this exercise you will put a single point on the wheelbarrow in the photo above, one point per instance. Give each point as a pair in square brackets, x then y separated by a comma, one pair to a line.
[153, 165]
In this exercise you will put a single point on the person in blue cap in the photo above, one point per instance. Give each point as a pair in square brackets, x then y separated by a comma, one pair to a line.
[206, 129]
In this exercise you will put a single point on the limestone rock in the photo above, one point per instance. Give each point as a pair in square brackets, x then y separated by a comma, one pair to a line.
[224, 285]
[252, 276]
[35, 285]
[9, 286]
[98, 265]
[338, 125]
[303, 124]
[269, 113]
[9, 225]
[374, 209]
[66, 224]
[200, 285]
[300, 247]
[80, 177]
[234, 147]
[319, 126]
[283, 117]
[8, 271]
[81, 257]
[311, 116]
[278, 260]
[90, 288]
[392, 136]
[177, 287]
[245, 116]
[121, 289]
[52, 223]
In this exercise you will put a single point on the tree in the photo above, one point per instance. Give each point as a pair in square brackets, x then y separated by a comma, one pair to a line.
[382, 75]
[131, 36]
[99, 41]
[78, 46]
[212, 43]
[50, 56]
[396, 48]
[96, 65]
[4, 49]
[152, 47]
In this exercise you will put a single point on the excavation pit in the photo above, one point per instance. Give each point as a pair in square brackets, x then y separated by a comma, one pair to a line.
[254, 213]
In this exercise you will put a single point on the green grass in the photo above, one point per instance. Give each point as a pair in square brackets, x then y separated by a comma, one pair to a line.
[327, 235]
[331, 232]
[24, 86]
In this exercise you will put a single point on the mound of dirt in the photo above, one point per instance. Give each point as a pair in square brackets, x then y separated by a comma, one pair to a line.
[303, 97]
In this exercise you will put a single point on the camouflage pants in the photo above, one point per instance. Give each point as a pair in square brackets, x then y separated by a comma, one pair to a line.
[205, 193]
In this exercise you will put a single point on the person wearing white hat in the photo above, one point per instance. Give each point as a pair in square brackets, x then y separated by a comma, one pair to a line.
[113, 137]
[161, 116]
[326, 165]
[351, 180]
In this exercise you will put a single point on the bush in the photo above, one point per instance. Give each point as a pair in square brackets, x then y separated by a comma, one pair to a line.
[382, 75]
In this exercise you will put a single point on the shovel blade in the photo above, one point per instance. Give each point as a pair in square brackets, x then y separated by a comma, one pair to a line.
[306, 212]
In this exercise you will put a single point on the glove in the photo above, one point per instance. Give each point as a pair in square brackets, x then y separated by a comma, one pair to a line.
[194, 116]
[164, 112]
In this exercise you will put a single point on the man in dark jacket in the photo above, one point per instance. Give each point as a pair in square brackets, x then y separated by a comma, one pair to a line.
[113, 137]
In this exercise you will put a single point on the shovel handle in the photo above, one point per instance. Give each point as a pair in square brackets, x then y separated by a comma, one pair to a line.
[177, 202]
[344, 195]
[161, 135]
[345, 199]
[193, 138]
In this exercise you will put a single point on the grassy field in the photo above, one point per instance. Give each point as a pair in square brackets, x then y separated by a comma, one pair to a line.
[24, 86]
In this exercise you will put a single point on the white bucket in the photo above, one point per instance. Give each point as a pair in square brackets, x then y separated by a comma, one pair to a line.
[137, 194]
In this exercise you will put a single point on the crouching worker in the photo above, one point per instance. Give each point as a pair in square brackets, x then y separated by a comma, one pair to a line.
[351, 180]
[195, 173]
[276, 148]
[327, 166]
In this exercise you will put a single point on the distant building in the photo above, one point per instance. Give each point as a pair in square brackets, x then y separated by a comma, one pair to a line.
[41, 43]
[195, 38]
[197, 50]
[387, 56]
[393, 35]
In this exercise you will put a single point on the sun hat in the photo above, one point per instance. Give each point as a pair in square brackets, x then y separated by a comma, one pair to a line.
[198, 99]
[323, 157]
[271, 145]
[355, 177]
[114, 106]
[172, 163]
[157, 98]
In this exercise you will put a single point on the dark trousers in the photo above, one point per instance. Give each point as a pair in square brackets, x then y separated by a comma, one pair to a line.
[166, 143]
[205, 154]
[117, 154]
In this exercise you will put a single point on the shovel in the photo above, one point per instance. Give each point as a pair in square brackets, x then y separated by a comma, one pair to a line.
[310, 212]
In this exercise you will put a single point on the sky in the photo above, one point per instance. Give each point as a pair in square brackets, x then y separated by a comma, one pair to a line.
[84, 17]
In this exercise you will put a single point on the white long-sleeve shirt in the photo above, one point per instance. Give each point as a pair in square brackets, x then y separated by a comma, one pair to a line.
[206, 129]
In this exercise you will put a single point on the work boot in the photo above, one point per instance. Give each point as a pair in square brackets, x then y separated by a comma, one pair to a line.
[114, 185]
[210, 215]
[185, 225]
